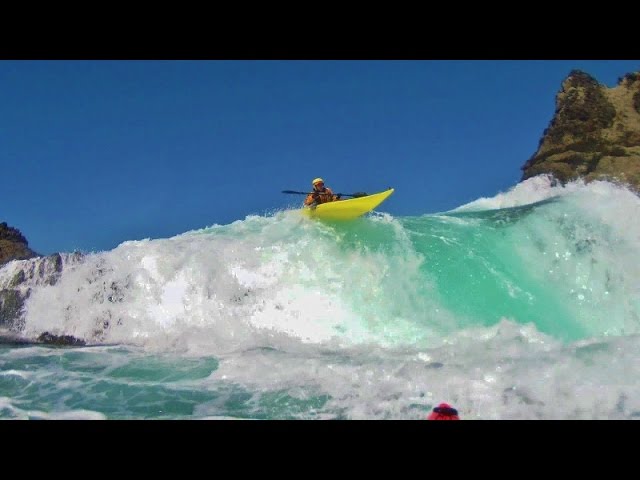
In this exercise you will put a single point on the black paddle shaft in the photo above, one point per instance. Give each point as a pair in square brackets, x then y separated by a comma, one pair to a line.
[355, 195]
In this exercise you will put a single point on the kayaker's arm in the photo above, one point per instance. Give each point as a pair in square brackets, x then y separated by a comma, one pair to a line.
[312, 200]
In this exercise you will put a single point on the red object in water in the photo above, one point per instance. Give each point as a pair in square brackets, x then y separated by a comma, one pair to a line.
[444, 411]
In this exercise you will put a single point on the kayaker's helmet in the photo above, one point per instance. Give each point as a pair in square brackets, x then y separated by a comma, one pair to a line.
[317, 181]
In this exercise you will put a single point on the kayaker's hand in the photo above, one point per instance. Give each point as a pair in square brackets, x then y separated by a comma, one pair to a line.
[338, 197]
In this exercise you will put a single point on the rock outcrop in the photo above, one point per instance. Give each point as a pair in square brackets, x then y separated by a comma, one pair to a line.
[594, 134]
[17, 281]
[13, 245]
[16, 285]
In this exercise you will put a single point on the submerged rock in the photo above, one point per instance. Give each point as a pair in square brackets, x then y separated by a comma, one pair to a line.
[60, 340]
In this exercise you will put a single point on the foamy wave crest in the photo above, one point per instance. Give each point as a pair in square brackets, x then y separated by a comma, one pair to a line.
[261, 282]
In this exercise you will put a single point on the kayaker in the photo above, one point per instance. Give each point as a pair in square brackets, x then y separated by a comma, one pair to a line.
[320, 194]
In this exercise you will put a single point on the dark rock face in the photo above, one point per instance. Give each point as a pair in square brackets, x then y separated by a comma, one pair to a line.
[21, 280]
[15, 289]
[11, 303]
[38, 271]
[18, 280]
[13, 245]
[594, 134]
[60, 340]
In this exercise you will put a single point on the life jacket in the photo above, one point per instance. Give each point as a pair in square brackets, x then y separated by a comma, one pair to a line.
[325, 195]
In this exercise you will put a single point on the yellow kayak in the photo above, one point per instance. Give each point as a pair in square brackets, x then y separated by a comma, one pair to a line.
[347, 209]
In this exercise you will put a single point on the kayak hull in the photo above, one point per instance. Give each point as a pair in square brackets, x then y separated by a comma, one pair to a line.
[347, 209]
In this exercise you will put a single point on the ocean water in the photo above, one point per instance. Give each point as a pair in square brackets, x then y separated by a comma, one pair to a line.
[521, 306]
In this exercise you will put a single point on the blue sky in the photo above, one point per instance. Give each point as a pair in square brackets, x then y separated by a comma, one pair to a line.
[94, 153]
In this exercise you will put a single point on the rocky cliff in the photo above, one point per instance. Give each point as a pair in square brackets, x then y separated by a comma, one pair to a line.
[594, 133]
[13, 245]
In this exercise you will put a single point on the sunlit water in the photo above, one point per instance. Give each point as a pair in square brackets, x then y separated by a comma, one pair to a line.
[521, 306]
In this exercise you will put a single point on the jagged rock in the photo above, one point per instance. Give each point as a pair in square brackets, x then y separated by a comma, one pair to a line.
[594, 134]
[18, 279]
[11, 303]
[13, 245]
[16, 286]
[16, 289]
[11, 234]
[66, 340]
